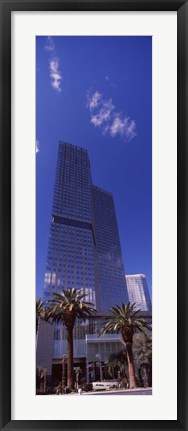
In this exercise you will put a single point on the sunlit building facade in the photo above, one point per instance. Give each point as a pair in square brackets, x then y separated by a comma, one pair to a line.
[138, 291]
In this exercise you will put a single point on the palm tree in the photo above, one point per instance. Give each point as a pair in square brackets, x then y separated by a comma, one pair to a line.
[65, 307]
[39, 312]
[125, 320]
[118, 362]
[142, 348]
[42, 313]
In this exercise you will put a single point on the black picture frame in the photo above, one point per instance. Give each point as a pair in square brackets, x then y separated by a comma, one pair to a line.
[6, 7]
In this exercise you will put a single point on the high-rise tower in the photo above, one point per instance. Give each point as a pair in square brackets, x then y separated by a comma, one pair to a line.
[111, 279]
[84, 248]
[138, 291]
[84, 252]
[71, 250]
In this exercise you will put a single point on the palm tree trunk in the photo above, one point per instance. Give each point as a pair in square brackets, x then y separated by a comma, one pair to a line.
[70, 373]
[37, 329]
[130, 361]
[150, 374]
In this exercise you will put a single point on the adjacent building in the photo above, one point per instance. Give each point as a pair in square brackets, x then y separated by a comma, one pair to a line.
[138, 291]
[110, 284]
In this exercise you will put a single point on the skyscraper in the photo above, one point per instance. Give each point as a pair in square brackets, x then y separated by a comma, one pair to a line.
[84, 247]
[84, 252]
[138, 291]
[109, 258]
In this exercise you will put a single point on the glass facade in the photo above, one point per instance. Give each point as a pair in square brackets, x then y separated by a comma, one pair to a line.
[84, 249]
[138, 291]
[86, 340]
[112, 289]
[71, 249]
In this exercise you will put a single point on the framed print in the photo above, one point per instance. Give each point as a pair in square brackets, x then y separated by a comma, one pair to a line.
[93, 214]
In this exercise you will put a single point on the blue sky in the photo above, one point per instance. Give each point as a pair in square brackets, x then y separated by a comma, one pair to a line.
[96, 92]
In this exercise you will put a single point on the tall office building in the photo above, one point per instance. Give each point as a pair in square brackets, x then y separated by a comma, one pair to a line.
[138, 291]
[84, 252]
[84, 248]
[111, 283]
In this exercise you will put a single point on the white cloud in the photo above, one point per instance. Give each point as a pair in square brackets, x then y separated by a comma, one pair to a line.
[123, 126]
[107, 78]
[131, 130]
[50, 46]
[117, 126]
[37, 146]
[55, 74]
[94, 100]
[103, 115]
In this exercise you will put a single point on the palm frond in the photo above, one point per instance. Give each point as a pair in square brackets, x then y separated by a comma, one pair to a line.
[125, 319]
[68, 305]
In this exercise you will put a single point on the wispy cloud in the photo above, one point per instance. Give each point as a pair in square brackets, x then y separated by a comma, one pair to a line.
[103, 114]
[123, 126]
[50, 46]
[37, 146]
[55, 74]
[93, 100]
[111, 84]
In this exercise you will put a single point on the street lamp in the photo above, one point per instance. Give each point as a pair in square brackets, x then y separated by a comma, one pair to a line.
[77, 372]
[98, 355]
